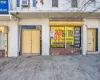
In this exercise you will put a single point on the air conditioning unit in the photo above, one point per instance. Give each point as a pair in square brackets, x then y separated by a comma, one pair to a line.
[24, 3]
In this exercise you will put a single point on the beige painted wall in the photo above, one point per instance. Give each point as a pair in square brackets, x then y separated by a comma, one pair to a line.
[45, 31]
[90, 23]
[12, 37]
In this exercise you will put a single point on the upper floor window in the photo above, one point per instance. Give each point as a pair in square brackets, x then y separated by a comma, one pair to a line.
[23, 1]
[54, 3]
[92, 1]
[74, 3]
[34, 3]
[18, 3]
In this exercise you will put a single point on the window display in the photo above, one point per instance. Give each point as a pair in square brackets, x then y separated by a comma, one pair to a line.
[61, 35]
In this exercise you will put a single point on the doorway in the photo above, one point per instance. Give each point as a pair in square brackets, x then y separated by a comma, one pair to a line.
[3, 41]
[91, 39]
[31, 41]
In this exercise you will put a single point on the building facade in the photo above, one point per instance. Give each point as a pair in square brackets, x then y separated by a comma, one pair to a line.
[49, 27]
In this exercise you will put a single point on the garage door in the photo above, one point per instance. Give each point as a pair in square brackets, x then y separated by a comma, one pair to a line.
[26, 41]
[36, 41]
[30, 41]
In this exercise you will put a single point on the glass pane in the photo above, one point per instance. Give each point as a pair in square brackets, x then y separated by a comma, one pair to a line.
[2, 41]
[34, 3]
[74, 3]
[69, 36]
[54, 3]
[57, 37]
[18, 3]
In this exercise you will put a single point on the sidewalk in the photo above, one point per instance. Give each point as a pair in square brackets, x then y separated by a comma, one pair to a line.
[74, 67]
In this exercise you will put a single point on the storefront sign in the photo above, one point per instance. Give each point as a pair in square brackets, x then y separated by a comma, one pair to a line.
[3, 6]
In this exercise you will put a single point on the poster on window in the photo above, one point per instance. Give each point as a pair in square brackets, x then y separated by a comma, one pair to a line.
[69, 36]
[57, 37]
[77, 37]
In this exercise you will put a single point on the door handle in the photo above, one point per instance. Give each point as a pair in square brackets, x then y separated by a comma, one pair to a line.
[93, 40]
[89, 43]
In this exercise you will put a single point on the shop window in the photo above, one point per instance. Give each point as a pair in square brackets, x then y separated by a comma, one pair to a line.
[2, 41]
[61, 37]
[57, 37]
[69, 36]
[54, 3]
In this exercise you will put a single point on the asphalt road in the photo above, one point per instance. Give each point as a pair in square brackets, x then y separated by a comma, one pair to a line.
[66, 67]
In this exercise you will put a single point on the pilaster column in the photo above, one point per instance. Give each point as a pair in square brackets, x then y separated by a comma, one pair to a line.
[84, 41]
